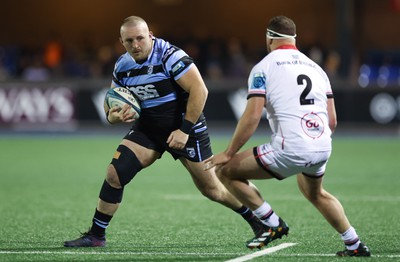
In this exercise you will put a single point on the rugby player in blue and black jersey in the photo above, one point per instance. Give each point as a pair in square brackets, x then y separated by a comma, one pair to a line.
[172, 96]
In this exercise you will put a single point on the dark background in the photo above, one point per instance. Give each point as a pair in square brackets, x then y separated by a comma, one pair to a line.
[356, 41]
[359, 30]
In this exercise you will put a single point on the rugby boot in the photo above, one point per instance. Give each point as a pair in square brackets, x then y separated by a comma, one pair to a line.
[256, 225]
[87, 239]
[361, 251]
[268, 235]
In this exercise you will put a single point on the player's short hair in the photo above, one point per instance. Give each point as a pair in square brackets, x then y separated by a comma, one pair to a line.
[281, 27]
[133, 21]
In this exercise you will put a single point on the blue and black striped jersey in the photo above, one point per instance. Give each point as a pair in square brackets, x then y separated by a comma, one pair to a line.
[153, 82]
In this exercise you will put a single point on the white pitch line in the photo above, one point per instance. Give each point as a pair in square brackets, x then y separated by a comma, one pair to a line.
[333, 255]
[42, 252]
[129, 253]
[262, 252]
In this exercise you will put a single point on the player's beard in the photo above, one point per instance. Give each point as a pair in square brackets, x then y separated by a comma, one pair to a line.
[140, 56]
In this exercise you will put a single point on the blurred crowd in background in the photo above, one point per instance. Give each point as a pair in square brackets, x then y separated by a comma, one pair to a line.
[355, 41]
[216, 59]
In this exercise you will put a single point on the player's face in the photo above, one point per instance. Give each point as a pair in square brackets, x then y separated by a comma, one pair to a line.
[137, 41]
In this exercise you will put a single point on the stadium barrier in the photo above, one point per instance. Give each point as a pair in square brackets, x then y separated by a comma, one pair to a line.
[67, 105]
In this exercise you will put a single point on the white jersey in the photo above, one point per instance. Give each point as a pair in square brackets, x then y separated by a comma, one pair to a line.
[296, 91]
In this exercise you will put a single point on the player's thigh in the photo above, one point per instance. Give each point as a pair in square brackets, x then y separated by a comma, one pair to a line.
[309, 186]
[145, 155]
[196, 170]
[243, 166]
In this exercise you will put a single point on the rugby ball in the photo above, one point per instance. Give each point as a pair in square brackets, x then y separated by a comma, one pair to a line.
[119, 96]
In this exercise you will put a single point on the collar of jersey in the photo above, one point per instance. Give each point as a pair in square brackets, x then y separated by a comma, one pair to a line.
[287, 47]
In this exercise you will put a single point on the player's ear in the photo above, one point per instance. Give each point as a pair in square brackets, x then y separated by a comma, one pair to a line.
[120, 40]
[151, 34]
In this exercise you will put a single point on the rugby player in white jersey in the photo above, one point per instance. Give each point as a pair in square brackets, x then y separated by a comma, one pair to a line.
[298, 98]
[172, 95]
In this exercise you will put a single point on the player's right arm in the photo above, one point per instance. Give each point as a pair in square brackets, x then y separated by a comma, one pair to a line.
[247, 124]
[245, 128]
[117, 114]
[331, 114]
[256, 101]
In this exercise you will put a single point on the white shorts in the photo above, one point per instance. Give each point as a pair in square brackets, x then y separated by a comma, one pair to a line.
[281, 164]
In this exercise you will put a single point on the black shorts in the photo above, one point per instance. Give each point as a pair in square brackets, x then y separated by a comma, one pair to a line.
[197, 149]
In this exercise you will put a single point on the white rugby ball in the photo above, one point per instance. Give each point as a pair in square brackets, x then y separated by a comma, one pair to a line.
[119, 96]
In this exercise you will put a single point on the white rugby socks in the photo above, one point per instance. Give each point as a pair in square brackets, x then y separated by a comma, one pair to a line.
[350, 239]
[267, 215]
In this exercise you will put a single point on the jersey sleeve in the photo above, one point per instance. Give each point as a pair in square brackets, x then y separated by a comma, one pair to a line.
[328, 87]
[256, 83]
[176, 62]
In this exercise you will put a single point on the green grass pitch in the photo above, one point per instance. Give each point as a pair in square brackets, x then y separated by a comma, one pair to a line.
[49, 188]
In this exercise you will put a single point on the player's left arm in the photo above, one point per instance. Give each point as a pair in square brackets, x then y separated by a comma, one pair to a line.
[193, 83]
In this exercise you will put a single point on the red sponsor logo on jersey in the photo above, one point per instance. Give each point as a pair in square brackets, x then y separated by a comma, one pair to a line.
[312, 125]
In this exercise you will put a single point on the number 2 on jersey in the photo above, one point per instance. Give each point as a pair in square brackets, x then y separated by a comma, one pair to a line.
[306, 91]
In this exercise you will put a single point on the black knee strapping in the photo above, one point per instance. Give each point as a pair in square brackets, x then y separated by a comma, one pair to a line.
[111, 194]
[126, 164]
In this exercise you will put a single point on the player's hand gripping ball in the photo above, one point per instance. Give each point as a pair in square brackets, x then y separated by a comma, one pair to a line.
[119, 96]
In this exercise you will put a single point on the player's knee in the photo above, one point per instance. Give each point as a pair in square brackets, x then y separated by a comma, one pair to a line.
[112, 177]
[126, 166]
[309, 197]
[111, 194]
[315, 196]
